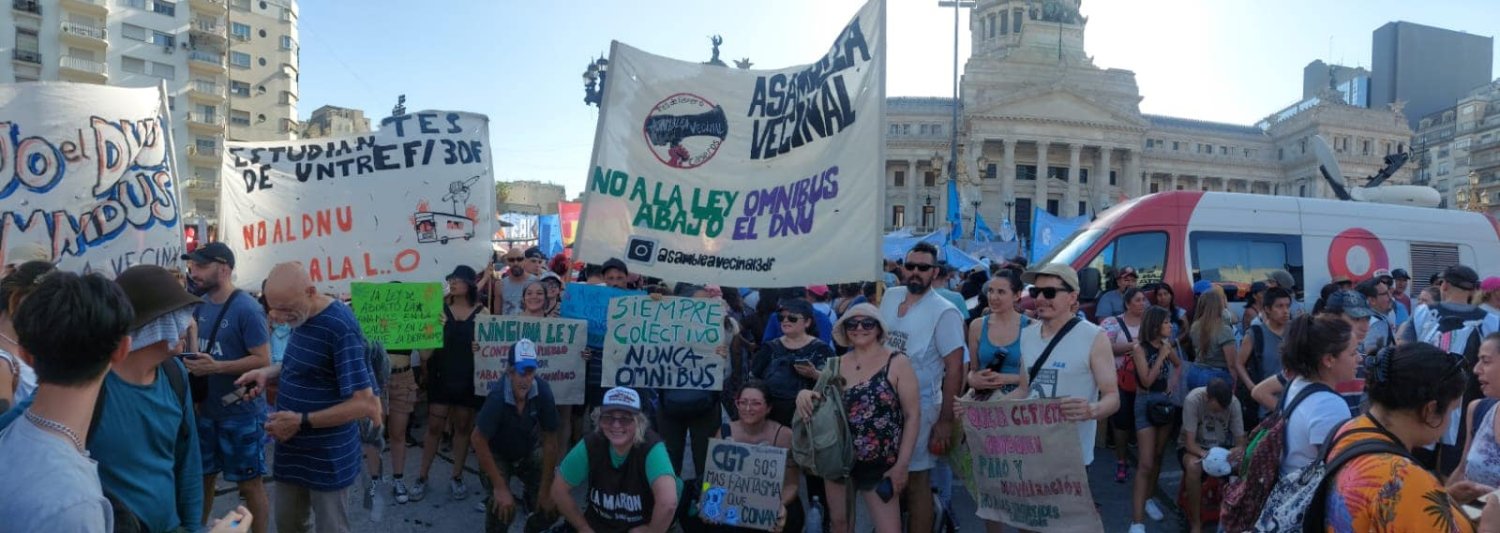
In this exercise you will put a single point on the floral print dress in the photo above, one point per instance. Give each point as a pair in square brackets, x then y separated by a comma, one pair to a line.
[1388, 493]
[875, 422]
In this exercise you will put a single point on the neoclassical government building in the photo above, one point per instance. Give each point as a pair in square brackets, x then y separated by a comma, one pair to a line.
[1042, 125]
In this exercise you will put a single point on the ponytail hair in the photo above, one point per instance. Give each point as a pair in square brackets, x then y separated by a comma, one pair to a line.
[1309, 339]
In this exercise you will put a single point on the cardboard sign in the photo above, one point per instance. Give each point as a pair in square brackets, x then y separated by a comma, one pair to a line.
[591, 302]
[742, 484]
[87, 173]
[406, 203]
[706, 174]
[559, 352]
[666, 344]
[1028, 467]
[402, 316]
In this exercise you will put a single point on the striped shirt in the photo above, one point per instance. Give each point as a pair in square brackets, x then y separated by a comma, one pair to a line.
[324, 366]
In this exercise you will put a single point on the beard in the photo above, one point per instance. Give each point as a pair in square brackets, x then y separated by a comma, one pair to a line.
[200, 288]
[917, 286]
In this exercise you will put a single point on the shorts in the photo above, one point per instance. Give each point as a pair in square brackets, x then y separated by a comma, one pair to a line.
[1124, 417]
[402, 389]
[1142, 420]
[921, 459]
[234, 446]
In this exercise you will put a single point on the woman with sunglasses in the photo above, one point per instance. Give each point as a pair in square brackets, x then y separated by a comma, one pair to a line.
[753, 427]
[631, 484]
[880, 398]
[450, 381]
[789, 364]
[996, 338]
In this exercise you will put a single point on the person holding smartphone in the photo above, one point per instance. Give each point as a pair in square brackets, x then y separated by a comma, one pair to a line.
[790, 364]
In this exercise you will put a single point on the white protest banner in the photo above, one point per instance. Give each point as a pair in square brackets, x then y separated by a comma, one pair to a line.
[667, 344]
[742, 484]
[746, 178]
[559, 352]
[406, 203]
[87, 173]
[1028, 466]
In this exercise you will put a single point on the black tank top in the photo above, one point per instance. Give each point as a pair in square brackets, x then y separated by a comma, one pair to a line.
[619, 498]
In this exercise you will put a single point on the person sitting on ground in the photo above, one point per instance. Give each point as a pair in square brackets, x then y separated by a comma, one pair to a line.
[631, 485]
[1211, 418]
[516, 436]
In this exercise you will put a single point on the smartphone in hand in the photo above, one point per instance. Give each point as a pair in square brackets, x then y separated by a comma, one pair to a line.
[885, 490]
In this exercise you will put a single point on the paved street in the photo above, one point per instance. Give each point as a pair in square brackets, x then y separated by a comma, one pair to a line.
[438, 512]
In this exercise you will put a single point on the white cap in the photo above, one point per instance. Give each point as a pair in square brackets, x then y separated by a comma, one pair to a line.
[1216, 463]
[622, 398]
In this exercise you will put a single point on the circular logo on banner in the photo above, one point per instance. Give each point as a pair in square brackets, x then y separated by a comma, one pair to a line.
[1356, 253]
[685, 130]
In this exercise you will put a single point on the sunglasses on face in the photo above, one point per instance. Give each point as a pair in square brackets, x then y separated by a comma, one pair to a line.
[919, 267]
[512, 259]
[616, 421]
[1047, 292]
[790, 319]
[855, 324]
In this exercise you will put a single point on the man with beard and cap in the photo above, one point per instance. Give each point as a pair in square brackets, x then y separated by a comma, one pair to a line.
[325, 388]
[234, 339]
[929, 330]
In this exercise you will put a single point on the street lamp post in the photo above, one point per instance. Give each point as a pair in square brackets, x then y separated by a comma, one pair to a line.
[953, 131]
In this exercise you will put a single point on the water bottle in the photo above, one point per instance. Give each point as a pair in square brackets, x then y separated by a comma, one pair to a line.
[815, 517]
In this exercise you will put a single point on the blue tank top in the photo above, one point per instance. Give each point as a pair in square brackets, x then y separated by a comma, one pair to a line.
[987, 351]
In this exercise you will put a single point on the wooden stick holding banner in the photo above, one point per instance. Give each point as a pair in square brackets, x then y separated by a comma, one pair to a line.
[1028, 466]
[671, 343]
[402, 316]
[742, 484]
[559, 352]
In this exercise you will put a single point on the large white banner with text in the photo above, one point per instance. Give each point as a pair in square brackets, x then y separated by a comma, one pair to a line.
[86, 173]
[406, 203]
[749, 178]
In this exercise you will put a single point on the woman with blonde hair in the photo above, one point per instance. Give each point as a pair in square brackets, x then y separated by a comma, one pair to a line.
[1213, 341]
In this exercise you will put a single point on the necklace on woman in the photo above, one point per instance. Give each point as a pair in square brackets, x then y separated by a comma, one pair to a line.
[47, 423]
[7, 338]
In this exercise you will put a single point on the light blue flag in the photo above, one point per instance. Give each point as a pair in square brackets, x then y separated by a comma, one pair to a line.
[981, 230]
[1048, 231]
[549, 234]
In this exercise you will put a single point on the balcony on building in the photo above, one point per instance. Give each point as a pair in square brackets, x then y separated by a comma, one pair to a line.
[208, 6]
[33, 57]
[207, 60]
[82, 69]
[97, 8]
[210, 123]
[207, 91]
[204, 155]
[27, 7]
[201, 184]
[86, 35]
[206, 30]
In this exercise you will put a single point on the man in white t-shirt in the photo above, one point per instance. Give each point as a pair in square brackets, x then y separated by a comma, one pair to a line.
[1081, 368]
[929, 330]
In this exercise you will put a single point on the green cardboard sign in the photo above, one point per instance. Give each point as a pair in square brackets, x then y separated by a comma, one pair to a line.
[402, 316]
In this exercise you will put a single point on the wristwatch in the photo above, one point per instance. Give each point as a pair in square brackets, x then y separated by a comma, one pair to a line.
[306, 423]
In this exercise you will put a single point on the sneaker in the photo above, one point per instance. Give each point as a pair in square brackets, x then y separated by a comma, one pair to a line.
[369, 500]
[398, 488]
[1137, 528]
[457, 488]
[1122, 472]
[1153, 511]
[418, 490]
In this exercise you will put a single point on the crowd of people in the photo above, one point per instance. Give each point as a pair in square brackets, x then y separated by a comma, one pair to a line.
[134, 396]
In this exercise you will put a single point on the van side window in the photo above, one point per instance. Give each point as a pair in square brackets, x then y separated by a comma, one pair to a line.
[1241, 259]
[1146, 252]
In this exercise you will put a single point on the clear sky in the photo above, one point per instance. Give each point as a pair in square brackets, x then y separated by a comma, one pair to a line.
[521, 62]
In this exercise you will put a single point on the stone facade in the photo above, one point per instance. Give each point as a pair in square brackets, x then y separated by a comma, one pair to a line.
[1041, 125]
[528, 197]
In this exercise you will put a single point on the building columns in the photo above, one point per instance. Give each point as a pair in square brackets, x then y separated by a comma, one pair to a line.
[1039, 196]
[1133, 184]
[1008, 175]
[1070, 195]
[912, 211]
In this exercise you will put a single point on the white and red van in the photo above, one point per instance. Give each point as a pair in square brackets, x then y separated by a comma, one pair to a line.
[1229, 238]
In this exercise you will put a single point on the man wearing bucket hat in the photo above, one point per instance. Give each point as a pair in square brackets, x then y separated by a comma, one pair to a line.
[516, 435]
[630, 479]
[1067, 357]
[146, 441]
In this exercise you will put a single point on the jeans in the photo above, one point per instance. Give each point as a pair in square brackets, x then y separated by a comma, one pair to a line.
[1199, 376]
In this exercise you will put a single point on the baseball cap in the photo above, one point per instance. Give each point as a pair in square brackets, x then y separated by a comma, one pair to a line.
[614, 263]
[1126, 271]
[820, 290]
[523, 356]
[1400, 273]
[1201, 286]
[1342, 279]
[1490, 284]
[621, 398]
[1349, 303]
[214, 252]
[535, 253]
[1061, 271]
[27, 252]
[1461, 277]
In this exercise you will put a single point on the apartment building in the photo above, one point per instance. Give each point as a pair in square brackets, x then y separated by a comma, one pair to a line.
[230, 68]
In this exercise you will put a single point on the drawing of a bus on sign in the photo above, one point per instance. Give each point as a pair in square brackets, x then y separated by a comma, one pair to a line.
[442, 227]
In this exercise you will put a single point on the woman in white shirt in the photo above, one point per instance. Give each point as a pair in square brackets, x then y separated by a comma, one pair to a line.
[1317, 352]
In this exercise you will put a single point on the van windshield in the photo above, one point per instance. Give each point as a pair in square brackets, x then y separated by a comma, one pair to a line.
[1072, 247]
